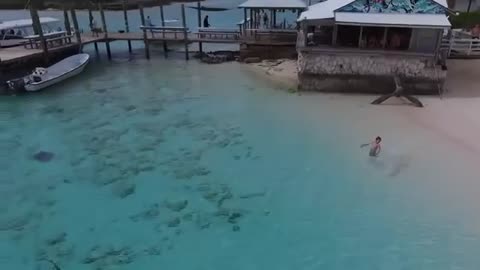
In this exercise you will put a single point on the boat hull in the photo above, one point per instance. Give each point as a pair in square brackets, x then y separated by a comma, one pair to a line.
[33, 87]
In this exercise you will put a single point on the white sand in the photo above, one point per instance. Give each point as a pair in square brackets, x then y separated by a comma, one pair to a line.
[455, 118]
[282, 72]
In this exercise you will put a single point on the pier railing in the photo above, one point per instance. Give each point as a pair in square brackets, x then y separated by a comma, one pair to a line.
[273, 36]
[461, 47]
[218, 33]
[174, 32]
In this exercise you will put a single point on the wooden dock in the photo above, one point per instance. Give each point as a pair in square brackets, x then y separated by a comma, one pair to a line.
[18, 53]
[45, 47]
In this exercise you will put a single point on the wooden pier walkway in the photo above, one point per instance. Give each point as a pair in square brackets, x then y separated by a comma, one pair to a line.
[12, 54]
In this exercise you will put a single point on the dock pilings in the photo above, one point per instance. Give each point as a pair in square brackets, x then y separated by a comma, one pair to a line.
[90, 24]
[68, 27]
[127, 28]
[199, 17]
[145, 38]
[162, 17]
[77, 28]
[185, 34]
[105, 30]
[37, 28]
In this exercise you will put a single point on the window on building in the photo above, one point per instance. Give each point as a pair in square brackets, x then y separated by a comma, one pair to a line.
[348, 36]
[372, 38]
[398, 38]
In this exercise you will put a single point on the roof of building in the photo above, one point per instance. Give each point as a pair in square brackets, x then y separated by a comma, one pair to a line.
[323, 10]
[326, 9]
[413, 20]
[24, 23]
[279, 4]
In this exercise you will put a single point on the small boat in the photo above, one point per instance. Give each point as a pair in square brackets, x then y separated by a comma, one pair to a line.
[13, 33]
[44, 77]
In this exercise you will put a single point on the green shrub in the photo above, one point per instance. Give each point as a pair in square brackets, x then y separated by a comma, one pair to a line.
[465, 20]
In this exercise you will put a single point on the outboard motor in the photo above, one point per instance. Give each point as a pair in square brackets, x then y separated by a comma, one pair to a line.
[16, 84]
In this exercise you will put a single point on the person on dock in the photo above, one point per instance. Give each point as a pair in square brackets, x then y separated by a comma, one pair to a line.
[206, 23]
[375, 147]
[93, 27]
[148, 22]
[258, 19]
[265, 20]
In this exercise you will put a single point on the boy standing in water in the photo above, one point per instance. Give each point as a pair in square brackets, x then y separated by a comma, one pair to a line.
[375, 147]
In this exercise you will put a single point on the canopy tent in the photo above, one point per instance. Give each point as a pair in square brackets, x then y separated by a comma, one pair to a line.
[274, 4]
[432, 21]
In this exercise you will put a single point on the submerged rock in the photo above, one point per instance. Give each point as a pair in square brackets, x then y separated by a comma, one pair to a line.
[130, 108]
[236, 228]
[252, 195]
[153, 251]
[123, 189]
[148, 214]
[176, 206]
[43, 156]
[175, 222]
[15, 224]
[52, 109]
[202, 221]
[233, 217]
[57, 239]
[111, 255]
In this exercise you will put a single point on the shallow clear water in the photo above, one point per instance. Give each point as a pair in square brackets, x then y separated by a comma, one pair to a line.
[178, 165]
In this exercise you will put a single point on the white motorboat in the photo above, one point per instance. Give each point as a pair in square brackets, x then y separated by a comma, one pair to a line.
[18, 29]
[13, 33]
[45, 77]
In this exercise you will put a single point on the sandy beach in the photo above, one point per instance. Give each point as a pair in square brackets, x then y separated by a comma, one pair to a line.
[453, 117]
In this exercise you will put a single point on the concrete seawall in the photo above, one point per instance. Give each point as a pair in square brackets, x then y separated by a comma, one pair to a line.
[367, 73]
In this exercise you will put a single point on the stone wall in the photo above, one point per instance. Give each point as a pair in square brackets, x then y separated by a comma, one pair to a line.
[349, 72]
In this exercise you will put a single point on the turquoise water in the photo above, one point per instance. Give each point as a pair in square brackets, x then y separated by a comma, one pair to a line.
[178, 165]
